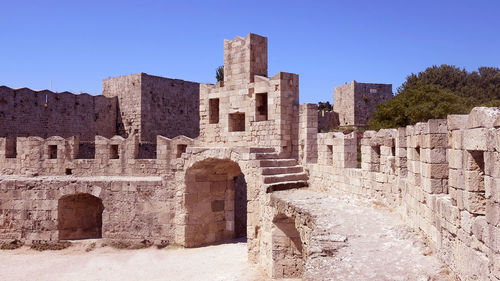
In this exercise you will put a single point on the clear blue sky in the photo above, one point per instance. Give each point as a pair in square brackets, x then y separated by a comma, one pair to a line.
[78, 43]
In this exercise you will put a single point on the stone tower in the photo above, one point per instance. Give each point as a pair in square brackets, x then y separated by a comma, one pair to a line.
[244, 58]
[355, 102]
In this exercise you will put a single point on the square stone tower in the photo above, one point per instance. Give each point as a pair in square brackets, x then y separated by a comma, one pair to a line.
[355, 102]
[151, 105]
[244, 58]
[249, 108]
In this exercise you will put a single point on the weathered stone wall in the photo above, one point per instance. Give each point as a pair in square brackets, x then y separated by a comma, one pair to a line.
[440, 175]
[308, 132]
[24, 112]
[327, 121]
[366, 97]
[151, 105]
[355, 102]
[115, 156]
[134, 209]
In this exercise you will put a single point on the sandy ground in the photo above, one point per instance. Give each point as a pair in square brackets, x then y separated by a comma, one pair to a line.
[224, 262]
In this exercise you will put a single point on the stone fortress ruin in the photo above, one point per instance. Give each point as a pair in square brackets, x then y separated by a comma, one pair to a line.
[139, 163]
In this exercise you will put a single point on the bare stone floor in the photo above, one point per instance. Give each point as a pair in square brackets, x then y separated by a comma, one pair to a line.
[378, 246]
[224, 262]
[368, 241]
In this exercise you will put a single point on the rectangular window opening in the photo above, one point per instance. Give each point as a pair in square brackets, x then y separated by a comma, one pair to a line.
[11, 148]
[181, 148]
[476, 169]
[52, 151]
[329, 154]
[236, 122]
[213, 111]
[113, 152]
[69, 171]
[376, 159]
[261, 107]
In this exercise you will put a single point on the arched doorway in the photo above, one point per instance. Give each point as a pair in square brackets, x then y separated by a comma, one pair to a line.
[215, 202]
[287, 252]
[79, 217]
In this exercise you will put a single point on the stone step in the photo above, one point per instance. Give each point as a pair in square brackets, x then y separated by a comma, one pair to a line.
[281, 170]
[285, 177]
[261, 150]
[286, 185]
[272, 155]
[278, 162]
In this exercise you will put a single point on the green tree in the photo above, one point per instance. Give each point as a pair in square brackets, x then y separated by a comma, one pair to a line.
[219, 73]
[418, 105]
[326, 106]
[437, 92]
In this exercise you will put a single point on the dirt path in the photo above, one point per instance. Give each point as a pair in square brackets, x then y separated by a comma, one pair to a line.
[225, 262]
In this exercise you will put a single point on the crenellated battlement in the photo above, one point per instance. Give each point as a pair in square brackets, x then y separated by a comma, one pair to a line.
[114, 156]
[442, 175]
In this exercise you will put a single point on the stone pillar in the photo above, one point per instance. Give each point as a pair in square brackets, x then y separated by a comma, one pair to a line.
[308, 133]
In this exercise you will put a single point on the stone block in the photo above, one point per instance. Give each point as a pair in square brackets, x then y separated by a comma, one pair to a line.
[474, 181]
[434, 186]
[433, 155]
[455, 139]
[434, 170]
[475, 139]
[466, 220]
[434, 140]
[455, 158]
[474, 202]
[484, 117]
[493, 213]
[436, 126]
[457, 122]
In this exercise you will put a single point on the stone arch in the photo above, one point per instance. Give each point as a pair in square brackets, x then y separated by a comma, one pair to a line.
[215, 202]
[79, 216]
[287, 248]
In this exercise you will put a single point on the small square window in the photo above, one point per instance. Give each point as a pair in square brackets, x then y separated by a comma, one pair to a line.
[52, 151]
[113, 152]
[236, 122]
[181, 148]
[261, 107]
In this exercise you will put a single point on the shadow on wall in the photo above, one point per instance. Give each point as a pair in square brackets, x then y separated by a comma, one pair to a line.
[79, 217]
[215, 202]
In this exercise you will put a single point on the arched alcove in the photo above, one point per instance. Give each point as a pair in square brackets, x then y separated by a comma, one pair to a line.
[287, 252]
[79, 217]
[215, 202]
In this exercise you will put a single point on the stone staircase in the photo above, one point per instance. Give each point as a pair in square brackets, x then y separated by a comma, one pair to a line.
[279, 173]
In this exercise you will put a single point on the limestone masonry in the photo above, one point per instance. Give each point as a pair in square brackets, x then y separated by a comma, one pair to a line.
[172, 161]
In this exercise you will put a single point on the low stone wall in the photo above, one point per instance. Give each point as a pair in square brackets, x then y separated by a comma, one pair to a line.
[443, 176]
[116, 208]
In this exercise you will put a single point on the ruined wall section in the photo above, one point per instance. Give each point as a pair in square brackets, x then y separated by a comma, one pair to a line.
[24, 112]
[441, 176]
